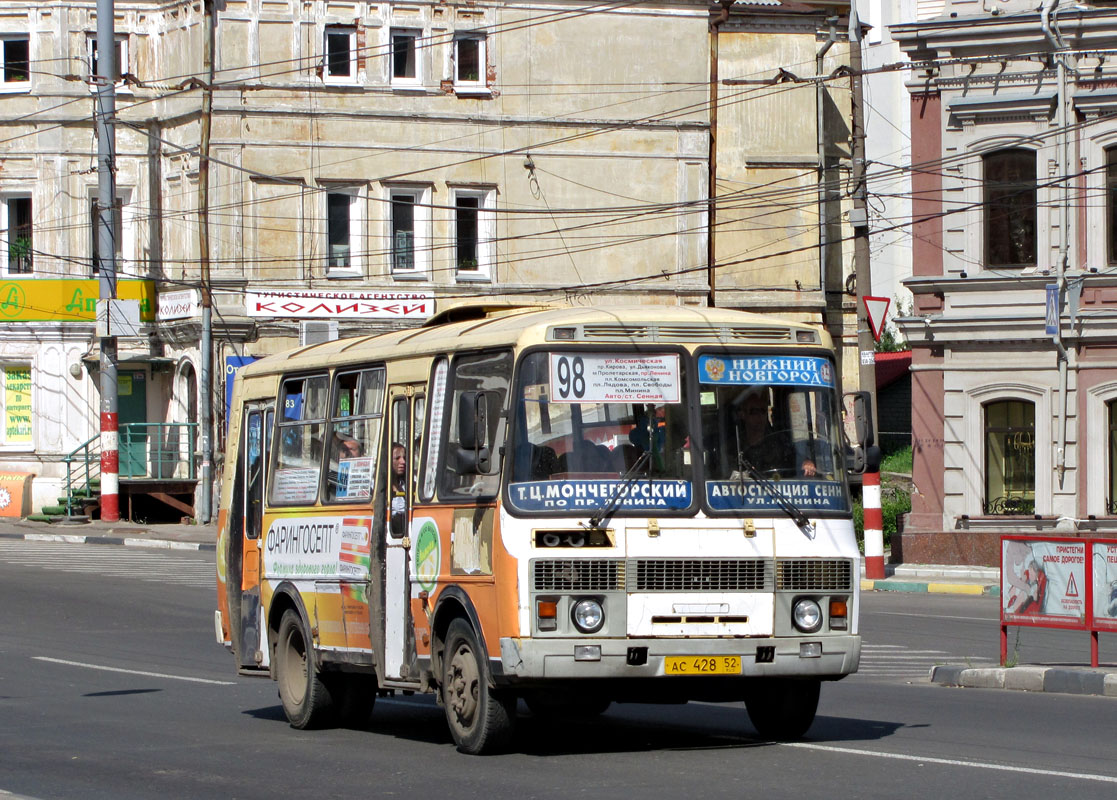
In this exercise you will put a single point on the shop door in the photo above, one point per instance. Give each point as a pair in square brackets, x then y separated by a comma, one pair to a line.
[131, 404]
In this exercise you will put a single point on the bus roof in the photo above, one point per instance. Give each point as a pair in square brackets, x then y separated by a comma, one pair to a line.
[492, 326]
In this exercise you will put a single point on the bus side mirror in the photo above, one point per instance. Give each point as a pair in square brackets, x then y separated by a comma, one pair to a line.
[866, 454]
[474, 408]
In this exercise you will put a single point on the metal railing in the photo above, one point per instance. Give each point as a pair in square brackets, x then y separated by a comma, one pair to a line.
[151, 450]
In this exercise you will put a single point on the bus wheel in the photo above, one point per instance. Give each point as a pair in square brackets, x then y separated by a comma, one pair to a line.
[781, 709]
[306, 699]
[480, 719]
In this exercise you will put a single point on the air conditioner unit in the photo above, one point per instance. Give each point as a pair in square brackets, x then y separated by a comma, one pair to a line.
[317, 331]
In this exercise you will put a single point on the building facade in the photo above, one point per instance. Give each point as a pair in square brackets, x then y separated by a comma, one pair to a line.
[1014, 158]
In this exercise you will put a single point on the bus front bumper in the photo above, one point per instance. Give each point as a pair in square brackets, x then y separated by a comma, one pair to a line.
[829, 656]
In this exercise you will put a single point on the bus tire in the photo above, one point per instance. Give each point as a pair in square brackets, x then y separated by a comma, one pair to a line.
[481, 720]
[782, 709]
[306, 698]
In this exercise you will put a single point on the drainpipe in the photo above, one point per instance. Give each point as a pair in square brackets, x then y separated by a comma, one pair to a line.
[711, 178]
[820, 97]
[1048, 11]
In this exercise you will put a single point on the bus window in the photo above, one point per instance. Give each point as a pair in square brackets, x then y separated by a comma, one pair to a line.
[302, 427]
[354, 433]
[483, 378]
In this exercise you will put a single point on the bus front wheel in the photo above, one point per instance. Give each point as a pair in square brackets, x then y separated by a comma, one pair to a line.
[480, 719]
[780, 708]
[306, 698]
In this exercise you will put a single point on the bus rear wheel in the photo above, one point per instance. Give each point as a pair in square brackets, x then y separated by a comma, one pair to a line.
[481, 720]
[782, 709]
[306, 699]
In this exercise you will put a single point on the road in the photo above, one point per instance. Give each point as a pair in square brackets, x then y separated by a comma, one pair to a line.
[111, 686]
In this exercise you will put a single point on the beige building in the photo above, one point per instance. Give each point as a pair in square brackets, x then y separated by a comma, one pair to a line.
[374, 163]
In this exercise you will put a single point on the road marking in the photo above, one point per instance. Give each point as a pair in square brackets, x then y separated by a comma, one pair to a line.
[937, 616]
[132, 671]
[953, 762]
[160, 566]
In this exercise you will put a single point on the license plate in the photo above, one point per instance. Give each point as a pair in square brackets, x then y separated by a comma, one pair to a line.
[702, 665]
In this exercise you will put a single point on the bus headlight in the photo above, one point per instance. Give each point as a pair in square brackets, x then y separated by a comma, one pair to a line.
[806, 615]
[588, 615]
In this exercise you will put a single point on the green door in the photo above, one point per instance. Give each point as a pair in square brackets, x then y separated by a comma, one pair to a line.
[131, 408]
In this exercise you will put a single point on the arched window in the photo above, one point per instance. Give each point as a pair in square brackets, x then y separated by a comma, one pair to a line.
[1010, 457]
[1010, 208]
[1111, 493]
[1111, 204]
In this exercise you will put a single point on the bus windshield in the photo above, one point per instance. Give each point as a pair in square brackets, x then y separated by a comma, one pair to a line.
[584, 419]
[774, 418]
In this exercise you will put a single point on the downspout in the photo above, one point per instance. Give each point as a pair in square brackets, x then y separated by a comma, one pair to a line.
[1047, 21]
[711, 178]
[820, 97]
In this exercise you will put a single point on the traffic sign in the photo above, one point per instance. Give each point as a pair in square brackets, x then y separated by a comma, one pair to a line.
[876, 309]
[1052, 312]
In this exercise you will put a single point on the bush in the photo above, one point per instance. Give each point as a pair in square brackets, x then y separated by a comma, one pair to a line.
[894, 501]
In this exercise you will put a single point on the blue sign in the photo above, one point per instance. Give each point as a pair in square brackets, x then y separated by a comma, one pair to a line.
[768, 370]
[1052, 314]
[588, 496]
[807, 496]
[232, 364]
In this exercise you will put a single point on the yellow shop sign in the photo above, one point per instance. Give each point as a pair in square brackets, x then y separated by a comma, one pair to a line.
[71, 300]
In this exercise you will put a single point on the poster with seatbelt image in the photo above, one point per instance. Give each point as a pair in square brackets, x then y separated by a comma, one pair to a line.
[1043, 581]
[1104, 559]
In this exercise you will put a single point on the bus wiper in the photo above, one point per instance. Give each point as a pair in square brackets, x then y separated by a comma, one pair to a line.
[789, 508]
[604, 512]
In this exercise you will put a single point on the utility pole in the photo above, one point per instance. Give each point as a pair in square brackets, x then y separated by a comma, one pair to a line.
[859, 219]
[205, 404]
[105, 115]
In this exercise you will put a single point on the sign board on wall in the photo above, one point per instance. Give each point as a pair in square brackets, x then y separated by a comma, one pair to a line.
[43, 299]
[339, 305]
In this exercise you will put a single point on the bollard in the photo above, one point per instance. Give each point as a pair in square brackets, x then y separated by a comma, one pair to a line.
[874, 525]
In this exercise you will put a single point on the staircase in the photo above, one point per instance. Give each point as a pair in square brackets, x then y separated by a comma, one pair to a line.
[83, 486]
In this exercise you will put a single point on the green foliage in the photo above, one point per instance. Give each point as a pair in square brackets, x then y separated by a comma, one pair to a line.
[894, 501]
[898, 461]
[890, 339]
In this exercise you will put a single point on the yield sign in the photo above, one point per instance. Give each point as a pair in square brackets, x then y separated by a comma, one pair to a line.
[876, 309]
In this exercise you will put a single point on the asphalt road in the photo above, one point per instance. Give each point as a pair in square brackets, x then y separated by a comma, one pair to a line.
[111, 686]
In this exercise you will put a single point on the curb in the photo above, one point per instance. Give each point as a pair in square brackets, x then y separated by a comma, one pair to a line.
[126, 541]
[1056, 680]
[930, 587]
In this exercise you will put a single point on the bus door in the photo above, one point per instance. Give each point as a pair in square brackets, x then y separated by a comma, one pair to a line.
[252, 463]
[408, 410]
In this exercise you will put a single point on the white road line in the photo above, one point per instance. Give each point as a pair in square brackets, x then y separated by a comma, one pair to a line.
[132, 671]
[953, 762]
[937, 616]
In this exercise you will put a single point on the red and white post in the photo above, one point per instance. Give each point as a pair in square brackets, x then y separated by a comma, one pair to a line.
[110, 467]
[874, 525]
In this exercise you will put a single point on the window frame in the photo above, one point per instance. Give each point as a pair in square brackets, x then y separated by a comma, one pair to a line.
[305, 425]
[371, 420]
[465, 85]
[8, 86]
[399, 81]
[1109, 154]
[350, 31]
[421, 230]
[995, 226]
[6, 201]
[355, 266]
[122, 64]
[484, 245]
[988, 502]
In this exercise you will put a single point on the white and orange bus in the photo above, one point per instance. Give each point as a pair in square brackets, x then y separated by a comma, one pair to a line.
[559, 505]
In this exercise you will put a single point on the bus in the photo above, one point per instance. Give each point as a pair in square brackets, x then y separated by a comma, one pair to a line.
[559, 505]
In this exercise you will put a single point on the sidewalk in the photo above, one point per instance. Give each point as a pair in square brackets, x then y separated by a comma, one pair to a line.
[130, 534]
[936, 579]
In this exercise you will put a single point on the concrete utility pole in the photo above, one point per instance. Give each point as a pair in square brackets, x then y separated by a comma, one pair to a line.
[105, 115]
[859, 219]
[205, 403]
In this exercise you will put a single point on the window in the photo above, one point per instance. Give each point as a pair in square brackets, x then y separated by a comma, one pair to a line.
[469, 64]
[408, 230]
[302, 424]
[121, 67]
[19, 249]
[478, 388]
[355, 433]
[1111, 495]
[94, 233]
[340, 59]
[473, 233]
[16, 395]
[405, 58]
[343, 233]
[17, 62]
[1111, 203]
[1010, 208]
[1010, 457]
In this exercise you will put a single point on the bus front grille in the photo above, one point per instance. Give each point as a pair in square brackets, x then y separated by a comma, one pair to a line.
[578, 575]
[699, 575]
[815, 575]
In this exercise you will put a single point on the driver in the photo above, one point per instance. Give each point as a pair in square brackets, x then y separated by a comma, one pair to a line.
[763, 447]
